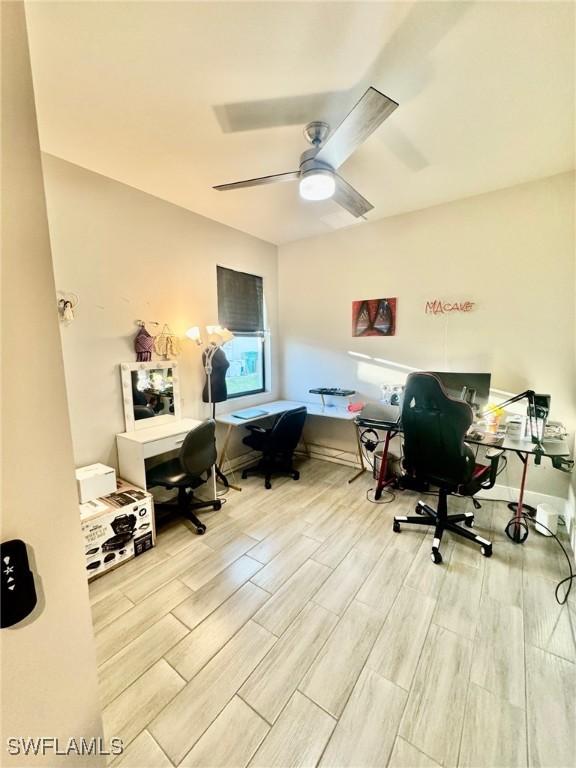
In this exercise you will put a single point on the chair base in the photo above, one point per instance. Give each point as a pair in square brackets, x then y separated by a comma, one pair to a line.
[186, 506]
[271, 468]
[442, 521]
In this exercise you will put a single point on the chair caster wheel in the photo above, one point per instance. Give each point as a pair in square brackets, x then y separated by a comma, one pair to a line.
[244, 475]
[435, 556]
[267, 485]
[296, 475]
[419, 509]
[217, 506]
[200, 530]
[487, 550]
[469, 522]
[396, 526]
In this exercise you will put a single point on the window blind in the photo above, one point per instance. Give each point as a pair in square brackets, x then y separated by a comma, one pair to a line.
[240, 301]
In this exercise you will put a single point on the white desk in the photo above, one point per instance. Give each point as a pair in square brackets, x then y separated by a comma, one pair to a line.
[135, 447]
[281, 406]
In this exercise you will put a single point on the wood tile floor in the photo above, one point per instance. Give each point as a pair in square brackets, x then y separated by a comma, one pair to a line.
[301, 631]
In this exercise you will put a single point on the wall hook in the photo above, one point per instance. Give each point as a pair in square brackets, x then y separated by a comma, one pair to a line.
[67, 306]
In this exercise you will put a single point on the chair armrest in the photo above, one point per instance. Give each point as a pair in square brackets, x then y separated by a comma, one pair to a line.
[254, 428]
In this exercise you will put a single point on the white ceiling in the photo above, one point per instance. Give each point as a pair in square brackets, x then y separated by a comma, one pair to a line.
[137, 91]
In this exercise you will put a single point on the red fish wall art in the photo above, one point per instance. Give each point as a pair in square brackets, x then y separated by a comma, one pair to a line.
[374, 317]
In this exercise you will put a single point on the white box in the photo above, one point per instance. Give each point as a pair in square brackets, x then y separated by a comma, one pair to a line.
[546, 516]
[116, 528]
[94, 481]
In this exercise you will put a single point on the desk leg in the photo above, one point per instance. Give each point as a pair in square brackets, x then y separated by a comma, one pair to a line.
[360, 457]
[519, 506]
[516, 528]
[382, 482]
[222, 458]
[224, 453]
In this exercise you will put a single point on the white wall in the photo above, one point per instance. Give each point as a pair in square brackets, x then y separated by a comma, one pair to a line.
[511, 251]
[128, 256]
[49, 685]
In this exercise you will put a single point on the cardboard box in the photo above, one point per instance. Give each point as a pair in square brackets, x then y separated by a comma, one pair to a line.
[117, 528]
[94, 481]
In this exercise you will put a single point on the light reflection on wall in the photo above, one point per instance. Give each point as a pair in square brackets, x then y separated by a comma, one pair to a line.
[377, 375]
[378, 371]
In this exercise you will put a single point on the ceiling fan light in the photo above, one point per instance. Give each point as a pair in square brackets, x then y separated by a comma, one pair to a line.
[317, 185]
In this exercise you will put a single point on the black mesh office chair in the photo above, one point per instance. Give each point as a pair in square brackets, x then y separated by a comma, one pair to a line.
[186, 472]
[434, 451]
[277, 446]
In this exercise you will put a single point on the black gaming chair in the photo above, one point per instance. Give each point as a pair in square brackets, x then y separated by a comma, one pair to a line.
[277, 445]
[434, 428]
[197, 457]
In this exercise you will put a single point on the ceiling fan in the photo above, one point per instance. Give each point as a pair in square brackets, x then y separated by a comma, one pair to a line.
[317, 173]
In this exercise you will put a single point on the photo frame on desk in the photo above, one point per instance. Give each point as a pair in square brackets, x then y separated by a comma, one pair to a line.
[151, 393]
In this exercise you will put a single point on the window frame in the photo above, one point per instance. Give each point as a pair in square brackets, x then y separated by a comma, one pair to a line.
[261, 335]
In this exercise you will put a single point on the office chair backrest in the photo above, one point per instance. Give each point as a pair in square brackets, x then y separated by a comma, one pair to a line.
[143, 412]
[287, 430]
[434, 428]
[198, 452]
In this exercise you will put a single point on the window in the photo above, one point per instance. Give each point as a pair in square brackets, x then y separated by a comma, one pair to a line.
[241, 310]
[245, 354]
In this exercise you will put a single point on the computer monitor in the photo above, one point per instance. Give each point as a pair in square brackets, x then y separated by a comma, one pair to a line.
[473, 388]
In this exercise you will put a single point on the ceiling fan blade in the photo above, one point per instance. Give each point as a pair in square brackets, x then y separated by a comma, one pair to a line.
[290, 176]
[370, 112]
[346, 196]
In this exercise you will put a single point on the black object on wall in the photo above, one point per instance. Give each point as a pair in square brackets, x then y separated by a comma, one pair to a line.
[18, 590]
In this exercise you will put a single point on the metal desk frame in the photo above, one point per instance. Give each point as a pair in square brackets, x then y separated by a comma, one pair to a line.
[281, 406]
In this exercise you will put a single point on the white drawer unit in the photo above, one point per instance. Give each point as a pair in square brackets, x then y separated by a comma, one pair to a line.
[116, 528]
[135, 447]
[164, 445]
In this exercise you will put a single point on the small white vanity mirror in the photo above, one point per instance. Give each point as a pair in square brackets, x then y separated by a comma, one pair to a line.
[151, 394]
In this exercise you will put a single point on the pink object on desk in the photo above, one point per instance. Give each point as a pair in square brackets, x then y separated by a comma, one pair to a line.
[354, 407]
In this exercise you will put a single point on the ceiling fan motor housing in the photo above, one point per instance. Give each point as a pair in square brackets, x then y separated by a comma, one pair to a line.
[309, 163]
[316, 132]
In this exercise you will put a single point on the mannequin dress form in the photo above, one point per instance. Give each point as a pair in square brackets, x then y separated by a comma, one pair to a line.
[217, 379]
[215, 390]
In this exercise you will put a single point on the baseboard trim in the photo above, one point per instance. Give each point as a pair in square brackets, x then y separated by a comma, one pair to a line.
[239, 462]
[569, 517]
[325, 453]
[508, 493]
